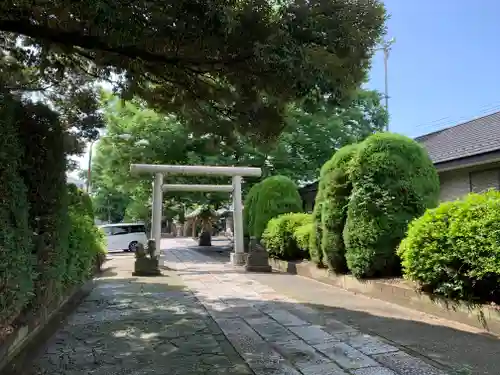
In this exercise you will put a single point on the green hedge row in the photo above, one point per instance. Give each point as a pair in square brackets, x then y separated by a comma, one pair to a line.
[48, 240]
[282, 237]
[368, 193]
[454, 249]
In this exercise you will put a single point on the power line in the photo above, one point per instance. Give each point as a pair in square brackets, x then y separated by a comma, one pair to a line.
[452, 121]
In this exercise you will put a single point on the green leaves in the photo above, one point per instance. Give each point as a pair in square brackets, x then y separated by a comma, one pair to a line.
[454, 249]
[393, 181]
[271, 197]
[16, 245]
[220, 66]
[279, 237]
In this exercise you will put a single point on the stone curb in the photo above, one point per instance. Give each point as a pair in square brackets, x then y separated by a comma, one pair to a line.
[400, 292]
[29, 332]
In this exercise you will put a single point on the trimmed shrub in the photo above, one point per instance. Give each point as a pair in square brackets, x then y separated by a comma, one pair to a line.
[315, 252]
[16, 260]
[273, 196]
[302, 236]
[44, 173]
[86, 243]
[393, 182]
[336, 191]
[249, 206]
[454, 249]
[279, 239]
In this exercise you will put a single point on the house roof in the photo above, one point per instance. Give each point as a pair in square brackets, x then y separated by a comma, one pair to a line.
[472, 138]
[475, 137]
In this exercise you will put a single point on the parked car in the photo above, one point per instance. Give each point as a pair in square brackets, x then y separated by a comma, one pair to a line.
[124, 236]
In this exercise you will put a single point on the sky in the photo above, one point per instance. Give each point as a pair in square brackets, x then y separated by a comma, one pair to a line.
[444, 67]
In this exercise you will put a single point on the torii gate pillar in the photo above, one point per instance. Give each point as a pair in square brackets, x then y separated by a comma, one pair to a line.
[238, 256]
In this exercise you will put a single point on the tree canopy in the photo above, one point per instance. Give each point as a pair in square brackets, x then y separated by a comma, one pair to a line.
[308, 140]
[220, 65]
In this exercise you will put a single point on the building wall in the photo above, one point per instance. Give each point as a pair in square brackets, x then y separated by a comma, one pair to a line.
[455, 184]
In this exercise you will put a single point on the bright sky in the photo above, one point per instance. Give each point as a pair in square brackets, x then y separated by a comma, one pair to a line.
[444, 67]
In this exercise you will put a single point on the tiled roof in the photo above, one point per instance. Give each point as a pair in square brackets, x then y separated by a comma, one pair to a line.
[470, 138]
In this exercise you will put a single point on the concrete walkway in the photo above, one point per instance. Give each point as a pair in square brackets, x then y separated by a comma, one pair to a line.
[206, 317]
[275, 334]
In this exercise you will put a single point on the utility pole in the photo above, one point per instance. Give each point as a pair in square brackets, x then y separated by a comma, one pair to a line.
[89, 168]
[386, 48]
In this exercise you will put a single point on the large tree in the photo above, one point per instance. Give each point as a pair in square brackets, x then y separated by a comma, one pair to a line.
[221, 65]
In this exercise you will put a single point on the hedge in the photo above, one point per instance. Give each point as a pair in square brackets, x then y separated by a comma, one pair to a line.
[393, 182]
[302, 236]
[86, 242]
[315, 252]
[454, 249]
[279, 238]
[273, 196]
[16, 259]
[80, 200]
[44, 250]
[337, 189]
[248, 208]
[44, 173]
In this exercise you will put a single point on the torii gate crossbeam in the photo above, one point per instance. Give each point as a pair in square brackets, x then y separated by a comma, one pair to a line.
[237, 257]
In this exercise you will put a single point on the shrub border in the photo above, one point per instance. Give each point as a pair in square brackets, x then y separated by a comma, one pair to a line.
[34, 331]
[400, 292]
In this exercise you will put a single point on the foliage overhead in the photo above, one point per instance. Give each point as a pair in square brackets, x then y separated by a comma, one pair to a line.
[310, 137]
[298, 153]
[393, 181]
[220, 65]
[454, 249]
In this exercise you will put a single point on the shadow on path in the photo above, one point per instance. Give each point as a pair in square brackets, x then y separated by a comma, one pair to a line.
[141, 326]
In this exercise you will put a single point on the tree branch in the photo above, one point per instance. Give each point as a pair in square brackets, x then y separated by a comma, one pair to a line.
[90, 42]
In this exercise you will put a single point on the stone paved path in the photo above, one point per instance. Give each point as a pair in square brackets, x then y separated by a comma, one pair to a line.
[277, 340]
[222, 323]
[131, 326]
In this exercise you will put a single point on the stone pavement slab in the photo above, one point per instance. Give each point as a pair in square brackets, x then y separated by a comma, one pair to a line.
[134, 326]
[275, 334]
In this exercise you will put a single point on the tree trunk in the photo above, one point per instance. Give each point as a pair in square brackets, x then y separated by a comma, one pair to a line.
[194, 228]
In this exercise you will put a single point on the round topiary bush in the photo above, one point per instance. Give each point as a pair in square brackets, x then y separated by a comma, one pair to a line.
[279, 236]
[393, 181]
[454, 249]
[336, 191]
[273, 196]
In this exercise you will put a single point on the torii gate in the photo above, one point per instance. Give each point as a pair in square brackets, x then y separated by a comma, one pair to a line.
[238, 256]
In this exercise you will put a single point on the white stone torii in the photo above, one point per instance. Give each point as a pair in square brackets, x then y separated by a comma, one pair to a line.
[237, 257]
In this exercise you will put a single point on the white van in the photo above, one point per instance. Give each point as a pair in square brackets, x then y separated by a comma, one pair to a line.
[124, 236]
